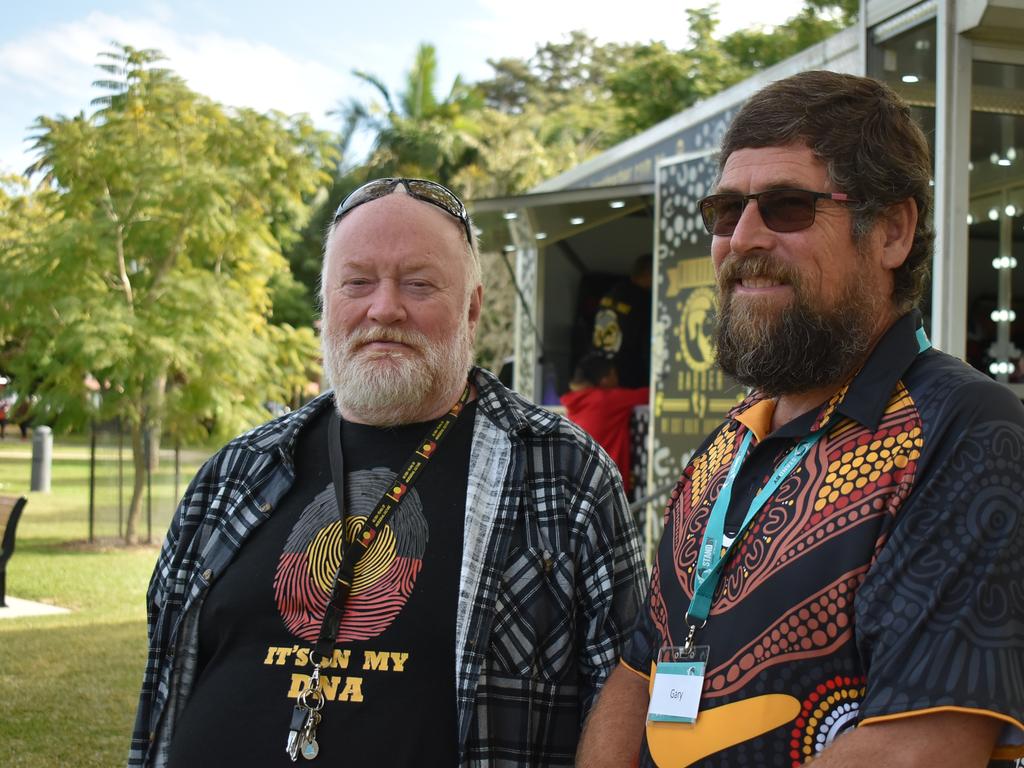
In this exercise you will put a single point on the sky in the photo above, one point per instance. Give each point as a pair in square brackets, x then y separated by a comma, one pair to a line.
[299, 56]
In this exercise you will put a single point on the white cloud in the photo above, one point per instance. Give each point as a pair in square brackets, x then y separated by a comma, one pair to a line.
[258, 75]
[51, 71]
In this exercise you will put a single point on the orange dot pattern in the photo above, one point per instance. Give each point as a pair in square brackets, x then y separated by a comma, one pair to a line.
[866, 464]
[831, 707]
[813, 628]
[850, 477]
[716, 459]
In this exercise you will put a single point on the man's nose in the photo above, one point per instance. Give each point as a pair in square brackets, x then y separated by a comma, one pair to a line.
[386, 306]
[751, 233]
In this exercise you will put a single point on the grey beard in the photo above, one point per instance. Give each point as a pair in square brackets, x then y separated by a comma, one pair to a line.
[388, 390]
[798, 349]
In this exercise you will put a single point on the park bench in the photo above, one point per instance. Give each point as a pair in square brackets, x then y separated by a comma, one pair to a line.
[10, 513]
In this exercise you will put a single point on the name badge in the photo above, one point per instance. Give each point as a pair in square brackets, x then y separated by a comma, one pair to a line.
[678, 680]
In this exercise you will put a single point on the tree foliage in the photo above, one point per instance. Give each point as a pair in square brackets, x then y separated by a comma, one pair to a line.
[169, 214]
[417, 132]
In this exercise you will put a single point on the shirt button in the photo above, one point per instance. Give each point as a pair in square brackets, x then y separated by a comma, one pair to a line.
[265, 506]
[548, 561]
[208, 574]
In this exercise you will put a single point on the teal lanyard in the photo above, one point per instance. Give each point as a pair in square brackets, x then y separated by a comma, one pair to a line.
[711, 559]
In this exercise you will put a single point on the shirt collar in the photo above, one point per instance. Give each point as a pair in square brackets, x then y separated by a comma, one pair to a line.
[868, 395]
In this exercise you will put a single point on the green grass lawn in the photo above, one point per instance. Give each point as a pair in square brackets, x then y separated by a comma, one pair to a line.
[68, 683]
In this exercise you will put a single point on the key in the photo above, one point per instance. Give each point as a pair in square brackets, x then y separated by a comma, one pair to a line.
[296, 730]
[310, 747]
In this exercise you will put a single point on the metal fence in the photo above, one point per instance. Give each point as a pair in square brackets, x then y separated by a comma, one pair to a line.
[110, 475]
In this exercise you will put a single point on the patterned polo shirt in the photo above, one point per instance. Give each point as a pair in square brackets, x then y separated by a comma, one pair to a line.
[881, 580]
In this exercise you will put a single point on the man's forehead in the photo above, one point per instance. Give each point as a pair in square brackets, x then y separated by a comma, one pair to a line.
[758, 168]
[398, 216]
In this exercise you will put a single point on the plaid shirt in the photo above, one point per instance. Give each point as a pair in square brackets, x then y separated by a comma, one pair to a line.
[551, 578]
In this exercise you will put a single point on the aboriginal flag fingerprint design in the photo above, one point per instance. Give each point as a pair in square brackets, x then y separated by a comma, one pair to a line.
[384, 577]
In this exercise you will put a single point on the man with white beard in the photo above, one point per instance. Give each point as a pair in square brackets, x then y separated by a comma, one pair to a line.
[417, 568]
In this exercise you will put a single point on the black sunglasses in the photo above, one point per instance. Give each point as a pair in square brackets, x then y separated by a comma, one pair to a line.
[782, 210]
[427, 191]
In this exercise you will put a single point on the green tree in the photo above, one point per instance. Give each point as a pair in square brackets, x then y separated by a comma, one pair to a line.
[416, 133]
[170, 215]
[758, 47]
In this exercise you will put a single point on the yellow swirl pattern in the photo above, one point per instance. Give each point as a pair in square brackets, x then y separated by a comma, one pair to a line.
[324, 555]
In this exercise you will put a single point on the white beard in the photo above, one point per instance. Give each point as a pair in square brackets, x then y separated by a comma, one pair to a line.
[387, 388]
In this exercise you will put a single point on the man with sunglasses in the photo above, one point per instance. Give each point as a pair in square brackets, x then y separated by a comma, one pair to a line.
[839, 580]
[419, 567]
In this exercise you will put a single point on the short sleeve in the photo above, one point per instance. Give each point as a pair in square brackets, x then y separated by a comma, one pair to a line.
[639, 649]
[940, 616]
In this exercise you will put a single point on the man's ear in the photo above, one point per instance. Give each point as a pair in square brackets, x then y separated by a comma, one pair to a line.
[476, 302]
[898, 224]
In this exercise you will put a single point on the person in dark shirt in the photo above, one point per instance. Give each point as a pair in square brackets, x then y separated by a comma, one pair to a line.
[839, 579]
[622, 325]
[598, 404]
[418, 567]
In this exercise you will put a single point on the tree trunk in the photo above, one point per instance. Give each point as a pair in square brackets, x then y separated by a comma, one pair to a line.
[131, 528]
[145, 445]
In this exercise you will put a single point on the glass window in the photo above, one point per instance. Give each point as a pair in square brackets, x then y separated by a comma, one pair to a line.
[995, 312]
[905, 61]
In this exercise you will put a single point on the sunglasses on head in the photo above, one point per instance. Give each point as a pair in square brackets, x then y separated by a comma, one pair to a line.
[427, 191]
[782, 210]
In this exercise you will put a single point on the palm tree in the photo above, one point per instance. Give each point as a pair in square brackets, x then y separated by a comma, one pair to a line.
[416, 133]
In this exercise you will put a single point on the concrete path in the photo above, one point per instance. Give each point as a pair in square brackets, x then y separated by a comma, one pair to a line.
[16, 608]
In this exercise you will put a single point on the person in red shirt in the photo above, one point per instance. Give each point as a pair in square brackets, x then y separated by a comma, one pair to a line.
[602, 408]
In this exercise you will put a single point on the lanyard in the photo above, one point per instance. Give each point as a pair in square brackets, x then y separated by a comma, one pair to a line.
[389, 502]
[711, 559]
[306, 715]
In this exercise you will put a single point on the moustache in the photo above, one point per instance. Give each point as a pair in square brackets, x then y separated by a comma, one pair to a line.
[361, 338]
[759, 265]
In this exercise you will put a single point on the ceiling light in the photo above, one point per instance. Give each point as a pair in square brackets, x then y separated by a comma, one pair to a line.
[509, 248]
[993, 214]
[541, 235]
[576, 220]
[1010, 210]
[478, 232]
[1005, 162]
[1000, 367]
[994, 157]
[970, 219]
[1011, 153]
[509, 215]
[911, 79]
[970, 166]
[617, 204]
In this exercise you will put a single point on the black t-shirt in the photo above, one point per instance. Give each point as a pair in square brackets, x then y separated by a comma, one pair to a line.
[390, 687]
[622, 331]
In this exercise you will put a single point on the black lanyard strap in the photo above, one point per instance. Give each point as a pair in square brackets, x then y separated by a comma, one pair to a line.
[367, 534]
